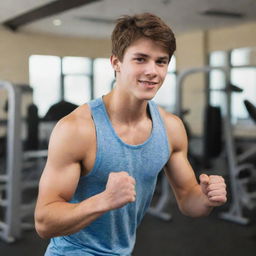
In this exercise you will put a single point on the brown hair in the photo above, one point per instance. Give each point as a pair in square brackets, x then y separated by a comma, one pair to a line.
[130, 28]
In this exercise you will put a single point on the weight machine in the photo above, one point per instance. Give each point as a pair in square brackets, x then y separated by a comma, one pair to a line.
[12, 183]
[236, 163]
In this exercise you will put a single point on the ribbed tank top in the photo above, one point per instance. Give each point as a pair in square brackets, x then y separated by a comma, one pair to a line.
[114, 232]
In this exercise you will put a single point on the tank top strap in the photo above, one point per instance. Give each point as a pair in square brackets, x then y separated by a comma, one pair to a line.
[158, 122]
[102, 128]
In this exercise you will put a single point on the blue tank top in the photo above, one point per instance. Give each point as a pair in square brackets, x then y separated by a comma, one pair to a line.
[114, 232]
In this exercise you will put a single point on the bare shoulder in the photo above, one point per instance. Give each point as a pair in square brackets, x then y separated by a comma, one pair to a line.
[74, 132]
[175, 129]
[171, 121]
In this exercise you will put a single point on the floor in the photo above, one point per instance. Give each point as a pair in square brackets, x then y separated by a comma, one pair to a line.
[184, 236]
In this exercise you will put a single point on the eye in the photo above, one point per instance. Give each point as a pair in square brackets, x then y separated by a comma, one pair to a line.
[140, 60]
[162, 62]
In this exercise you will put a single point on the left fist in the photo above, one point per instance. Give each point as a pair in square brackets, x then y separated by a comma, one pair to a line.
[214, 188]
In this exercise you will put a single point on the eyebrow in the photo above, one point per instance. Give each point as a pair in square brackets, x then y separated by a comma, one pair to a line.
[146, 56]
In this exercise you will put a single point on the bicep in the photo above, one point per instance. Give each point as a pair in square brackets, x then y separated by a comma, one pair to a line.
[58, 183]
[178, 169]
[62, 171]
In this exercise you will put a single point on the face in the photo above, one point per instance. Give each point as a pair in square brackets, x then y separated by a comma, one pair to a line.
[142, 70]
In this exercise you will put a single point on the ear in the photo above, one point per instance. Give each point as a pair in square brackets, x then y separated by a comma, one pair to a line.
[115, 63]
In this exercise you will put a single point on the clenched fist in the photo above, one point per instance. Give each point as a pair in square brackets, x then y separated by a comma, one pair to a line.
[214, 188]
[120, 190]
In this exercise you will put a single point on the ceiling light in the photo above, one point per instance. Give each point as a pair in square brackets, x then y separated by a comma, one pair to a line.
[56, 22]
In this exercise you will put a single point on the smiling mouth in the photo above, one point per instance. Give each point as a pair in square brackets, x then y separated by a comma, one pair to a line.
[148, 83]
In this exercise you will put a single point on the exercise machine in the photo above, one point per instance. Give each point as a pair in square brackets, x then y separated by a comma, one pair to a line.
[10, 181]
[235, 163]
[159, 209]
[244, 172]
[13, 210]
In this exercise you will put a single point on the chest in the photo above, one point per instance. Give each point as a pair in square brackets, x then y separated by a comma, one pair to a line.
[131, 135]
[134, 134]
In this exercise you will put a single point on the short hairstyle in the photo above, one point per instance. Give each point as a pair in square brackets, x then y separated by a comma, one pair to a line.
[130, 28]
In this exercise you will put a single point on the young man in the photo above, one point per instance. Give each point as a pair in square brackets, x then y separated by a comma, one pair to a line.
[105, 156]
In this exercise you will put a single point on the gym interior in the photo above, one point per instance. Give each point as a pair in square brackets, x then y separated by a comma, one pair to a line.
[55, 57]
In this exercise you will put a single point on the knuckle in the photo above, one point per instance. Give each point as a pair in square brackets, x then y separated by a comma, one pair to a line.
[210, 187]
[130, 198]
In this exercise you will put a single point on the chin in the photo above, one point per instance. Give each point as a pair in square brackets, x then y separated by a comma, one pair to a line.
[148, 96]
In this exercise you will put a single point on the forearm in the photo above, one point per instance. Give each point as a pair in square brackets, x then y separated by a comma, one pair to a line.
[63, 218]
[195, 203]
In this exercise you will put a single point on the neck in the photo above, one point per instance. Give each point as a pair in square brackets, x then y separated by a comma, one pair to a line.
[123, 108]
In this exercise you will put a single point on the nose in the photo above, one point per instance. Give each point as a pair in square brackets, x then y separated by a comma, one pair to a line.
[151, 69]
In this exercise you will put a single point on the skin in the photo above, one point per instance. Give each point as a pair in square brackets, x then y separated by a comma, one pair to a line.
[72, 151]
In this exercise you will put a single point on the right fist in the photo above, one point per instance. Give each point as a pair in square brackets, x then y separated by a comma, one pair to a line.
[120, 190]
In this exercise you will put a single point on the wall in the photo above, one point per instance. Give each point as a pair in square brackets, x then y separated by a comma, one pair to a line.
[191, 53]
[15, 49]
[232, 37]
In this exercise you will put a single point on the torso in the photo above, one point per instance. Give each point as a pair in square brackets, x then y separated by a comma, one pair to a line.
[131, 135]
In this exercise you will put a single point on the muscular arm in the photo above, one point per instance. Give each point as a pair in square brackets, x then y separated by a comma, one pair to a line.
[193, 199]
[54, 215]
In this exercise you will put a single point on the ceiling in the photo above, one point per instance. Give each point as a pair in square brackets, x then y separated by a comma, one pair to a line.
[96, 18]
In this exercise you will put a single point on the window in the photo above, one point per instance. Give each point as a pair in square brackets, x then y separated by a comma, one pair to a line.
[243, 56]
[242, 65]
[243, 75]
[77, 84]
[217, 79]
[44, 73]
[54, 79]
[245, 78]
[103, 76]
